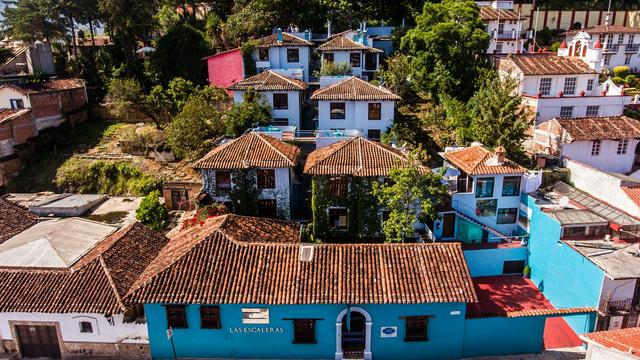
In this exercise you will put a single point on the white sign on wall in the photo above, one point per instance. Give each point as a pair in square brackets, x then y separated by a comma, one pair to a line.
[388, 331]
[255, 316]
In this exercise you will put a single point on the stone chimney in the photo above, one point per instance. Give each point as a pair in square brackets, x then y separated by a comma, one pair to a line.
[500, 154]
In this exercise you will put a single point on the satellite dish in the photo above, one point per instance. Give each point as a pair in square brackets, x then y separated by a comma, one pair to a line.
[563, 201]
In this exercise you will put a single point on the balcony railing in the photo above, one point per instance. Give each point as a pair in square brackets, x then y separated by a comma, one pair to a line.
[611, 48]
[505, 35]
[624, 306]
[632, 48]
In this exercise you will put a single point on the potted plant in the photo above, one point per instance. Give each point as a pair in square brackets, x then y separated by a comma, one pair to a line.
[526, 272]
[582, 92]
[560, 93]
[539, 94]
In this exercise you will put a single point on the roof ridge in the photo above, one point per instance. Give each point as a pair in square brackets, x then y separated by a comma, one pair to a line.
[112, 283]
[262, 137]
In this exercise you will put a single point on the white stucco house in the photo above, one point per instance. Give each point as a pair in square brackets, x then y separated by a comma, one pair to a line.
[363, 59]
[504, 26]
[268, 160]
[353, 105]
[284, 94]
[285, 52]
[555, 86]
[604, 46]
[63, 282]
[485, 190]
[606, 143]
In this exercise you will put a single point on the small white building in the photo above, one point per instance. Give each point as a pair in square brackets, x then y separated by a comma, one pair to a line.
[554, 86]
[62, 287]
[269, 161]
[503, 25]
[606, 143]
[620, 344]
[285, 52]
[284, 94]
[354, 104]
[363, 59]
[604, 46]
[485, 192]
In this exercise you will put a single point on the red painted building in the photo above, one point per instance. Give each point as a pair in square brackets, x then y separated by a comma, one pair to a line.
[225, 68]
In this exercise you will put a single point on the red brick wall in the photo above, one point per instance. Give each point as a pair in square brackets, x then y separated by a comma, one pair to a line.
[192, 191]
[54, 102]
[22, 128]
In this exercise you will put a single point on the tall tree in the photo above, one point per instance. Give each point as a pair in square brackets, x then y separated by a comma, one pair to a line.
[31, 20]
[447, 48]
[179, 54]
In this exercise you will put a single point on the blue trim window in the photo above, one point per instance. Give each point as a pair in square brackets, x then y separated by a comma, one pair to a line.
[507, 216]
[484, 187]
[511, 186]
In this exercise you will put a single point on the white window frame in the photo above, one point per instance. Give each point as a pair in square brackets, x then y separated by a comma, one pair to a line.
[570, 85]
[623, 146]
[566, 111]
[544, 87]
[627, 58]
[595, 147]
[590, 85]
[593, 110]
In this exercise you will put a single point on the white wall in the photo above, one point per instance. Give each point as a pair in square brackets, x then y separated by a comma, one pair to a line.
[278, 59]
[103, 331]
[512, 28]
[6, 94]
[608, 160]
[549, 108]
[292, 113]
[531, 84]
[356, 116]
[342, 57]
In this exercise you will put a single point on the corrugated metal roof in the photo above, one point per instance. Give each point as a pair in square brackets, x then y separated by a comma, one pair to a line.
[576, 216]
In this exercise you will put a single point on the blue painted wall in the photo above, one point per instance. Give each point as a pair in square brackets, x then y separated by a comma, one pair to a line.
[566, 278]
[445, 333]
[503, 336]
[489, 262]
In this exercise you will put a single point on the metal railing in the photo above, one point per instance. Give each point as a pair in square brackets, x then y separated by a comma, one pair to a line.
[632, 48]
[624, 306]
[486, 221]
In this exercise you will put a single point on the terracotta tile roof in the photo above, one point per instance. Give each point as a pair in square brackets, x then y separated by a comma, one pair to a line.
[95, 283]
[51, 85]
[343, 43]
[544, 64]
[476, 160]
[600, 128]
[268, 81]
[216, 266]
[633, 192]
[353, 88]
[626, 340]
[614, 29]
[355, 157]
[287, 40]
[252, 150]
[14, 219]
[488, 13]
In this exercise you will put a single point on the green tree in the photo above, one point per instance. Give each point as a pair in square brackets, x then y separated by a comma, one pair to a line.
[397, 74]
[447, 48]
[126, 100]
[253, 20]
[244, 193]
[498, 117]
[31, 20]
[179, 54]
[253, 111]
[151, 212]
[412, 195]
[330, 68]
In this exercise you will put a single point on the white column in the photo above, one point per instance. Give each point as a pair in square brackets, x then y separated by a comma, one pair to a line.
[338, 341]
[367, 340]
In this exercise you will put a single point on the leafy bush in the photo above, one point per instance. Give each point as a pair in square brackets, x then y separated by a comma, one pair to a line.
[139, 141]
[621, 71]
[617, 80]
[151, 212]
[252, 111]
[330, 68]
[179, 54]
[555, 46]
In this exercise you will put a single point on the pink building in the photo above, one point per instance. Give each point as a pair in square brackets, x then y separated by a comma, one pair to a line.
[225, 68]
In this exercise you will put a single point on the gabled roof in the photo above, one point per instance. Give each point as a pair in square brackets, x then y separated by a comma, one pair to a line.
[343, 43]
[600, 128]
[613, 29]
[287, 40]
[355, 157]
[51, 85]
[96, 283]
[544, 64]
[214, 265]
[251, 150]
[625, 340]
[268, 81]
[354, 88]
[14, 219]
[488, 13]
[476, 160]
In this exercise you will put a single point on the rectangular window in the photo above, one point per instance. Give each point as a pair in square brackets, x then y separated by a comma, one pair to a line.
[499, 48]
[500, 28]
[595, 148]
[338, 186]
[507, 216]
[375, 111]
[607, 59]
[355, 59]
[280, 101]
[337, 111]
[622, 147]
[210, 317]
[513, 267]
[267, 208]
[511, 186]
[304, 331]
[631, 38]
[223, 180]
[599, 231]
[620, 38]
[293, 55]
[627, 59]
[328, 57]
[484, 187]
[266, 178]
[416, 328]
[574, 231]
[86, 327]
[263, 54]
[593, 110]
[566, 111]
[486, 208]
[176, 316]
[373, 134]
[338, 219]
[590, 85]
[545, 86]
[279, 122]
[570, 86]
[17, 103]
